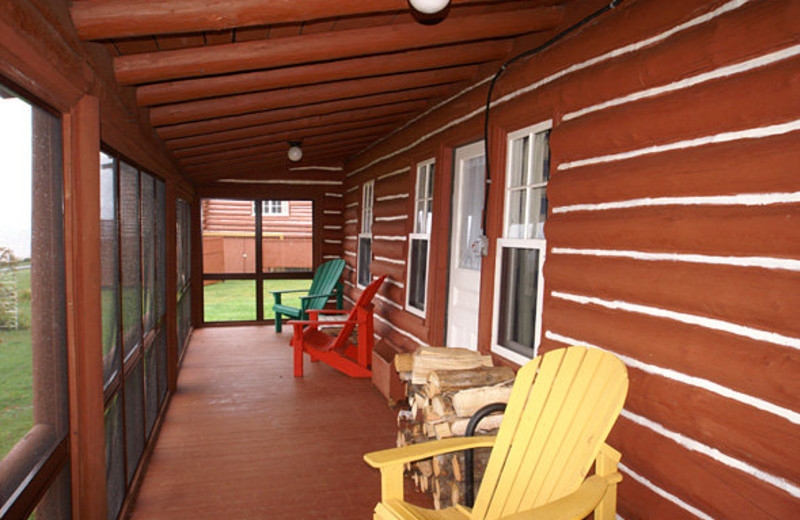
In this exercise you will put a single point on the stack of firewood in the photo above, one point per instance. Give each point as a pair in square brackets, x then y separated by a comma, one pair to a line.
[446, 386]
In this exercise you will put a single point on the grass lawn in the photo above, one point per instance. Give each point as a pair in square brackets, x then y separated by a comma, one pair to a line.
[16, 372]
[234, 300]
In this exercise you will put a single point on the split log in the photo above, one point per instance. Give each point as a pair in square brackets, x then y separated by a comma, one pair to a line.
[442, 430]
[458, 475]
[404, 362]
[459, 427]
[425, 467]
[442, 406]
[446, 380]
[467, 402]
[429, 359]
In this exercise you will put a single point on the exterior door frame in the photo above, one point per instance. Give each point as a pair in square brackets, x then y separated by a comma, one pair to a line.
[461, 154]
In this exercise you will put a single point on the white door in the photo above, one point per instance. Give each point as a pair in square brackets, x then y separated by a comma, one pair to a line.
[465, 257]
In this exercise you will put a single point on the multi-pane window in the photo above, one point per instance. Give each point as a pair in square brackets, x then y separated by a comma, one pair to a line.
[133, 297]
[419, 240]
[520, 251]
[272, 208]
[365, 236]
[275, 207]
[34, 400]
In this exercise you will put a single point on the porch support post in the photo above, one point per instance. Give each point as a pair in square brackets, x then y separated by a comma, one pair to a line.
[81, 128]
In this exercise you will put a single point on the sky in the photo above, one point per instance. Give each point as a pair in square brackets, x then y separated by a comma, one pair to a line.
[15, 176]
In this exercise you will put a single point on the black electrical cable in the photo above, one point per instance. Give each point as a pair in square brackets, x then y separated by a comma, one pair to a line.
[503, 67]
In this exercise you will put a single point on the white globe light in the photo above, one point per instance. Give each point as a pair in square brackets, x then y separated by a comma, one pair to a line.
[295, 153]
[428, 6]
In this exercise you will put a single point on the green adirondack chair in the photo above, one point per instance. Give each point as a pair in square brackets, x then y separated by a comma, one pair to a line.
[325, 284]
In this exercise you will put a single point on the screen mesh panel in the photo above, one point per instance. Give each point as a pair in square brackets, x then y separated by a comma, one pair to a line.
[148, 251]
[109, 267]
[115, 457]
[134, 419]
[131, 257]
[151, 385]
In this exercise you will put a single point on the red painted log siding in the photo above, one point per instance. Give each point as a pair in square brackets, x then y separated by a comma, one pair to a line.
[332, 218]
[710, 426]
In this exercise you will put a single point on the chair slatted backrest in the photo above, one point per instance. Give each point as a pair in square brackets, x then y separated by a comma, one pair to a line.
[325, 279]
[363, 301]
[560, 412]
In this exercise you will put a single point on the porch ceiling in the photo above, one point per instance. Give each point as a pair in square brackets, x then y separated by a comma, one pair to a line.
[229, 83]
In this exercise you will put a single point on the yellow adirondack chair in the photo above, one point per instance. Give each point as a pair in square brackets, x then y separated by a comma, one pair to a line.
[561, 409]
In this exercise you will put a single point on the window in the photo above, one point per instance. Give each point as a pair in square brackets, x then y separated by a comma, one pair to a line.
[272, 208]
[365, 237]
[34, 401]
[250, 249]
[521, 250]
[419, 240]
[133, 297]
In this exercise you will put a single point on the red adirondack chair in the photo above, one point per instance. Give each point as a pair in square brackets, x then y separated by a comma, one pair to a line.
[338, 352]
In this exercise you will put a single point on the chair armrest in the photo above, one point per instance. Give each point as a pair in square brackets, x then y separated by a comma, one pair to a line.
[391, 461]
[414, 452]
[313, 315]
[320, 295]
[313, 322]
[574, 506]
[289, 290]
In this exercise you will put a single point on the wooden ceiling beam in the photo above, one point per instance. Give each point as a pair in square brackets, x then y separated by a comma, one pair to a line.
[284, 114]
[191, 89]
[264, 54]
[399, 110]
[106, 19]
[310, 149]
[274, 99]
[331, 152]
[267, 169]
[310, 143]
[296, 134]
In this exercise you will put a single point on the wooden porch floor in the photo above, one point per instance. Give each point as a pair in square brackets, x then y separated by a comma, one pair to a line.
[244, 439]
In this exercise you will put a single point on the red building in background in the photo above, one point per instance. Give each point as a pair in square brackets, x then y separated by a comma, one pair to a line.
[229, 230]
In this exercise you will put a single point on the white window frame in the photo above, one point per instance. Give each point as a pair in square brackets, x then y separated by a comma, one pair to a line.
[367, 204]
[284, 211]
[539, 244]
[426, 168]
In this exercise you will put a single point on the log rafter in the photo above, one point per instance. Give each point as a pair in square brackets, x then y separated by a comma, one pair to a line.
[264, 54]
[283, 114]
[296, 133]
[106, 19]
[275, 158]
[273, 99]
[399, 110]
[409, 61]
[255, 150]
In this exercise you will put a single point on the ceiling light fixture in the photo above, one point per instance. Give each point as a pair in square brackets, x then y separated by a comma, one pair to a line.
[295, 152]
[429, 6]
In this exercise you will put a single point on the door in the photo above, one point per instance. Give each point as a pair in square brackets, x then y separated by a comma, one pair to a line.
[463, 294]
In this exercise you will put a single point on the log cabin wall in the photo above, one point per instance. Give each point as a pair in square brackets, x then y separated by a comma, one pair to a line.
[672, 237]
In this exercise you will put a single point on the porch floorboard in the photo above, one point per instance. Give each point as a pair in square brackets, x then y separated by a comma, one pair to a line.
[244, 439]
